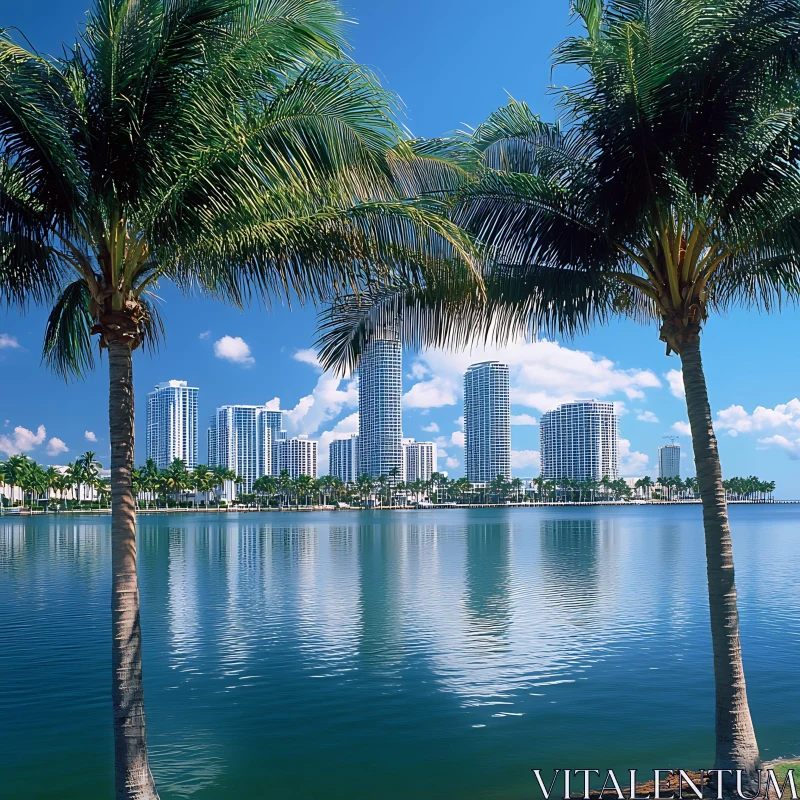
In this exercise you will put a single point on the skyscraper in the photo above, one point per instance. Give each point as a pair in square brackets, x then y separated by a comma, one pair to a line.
[669, 461]
[487, 422]
[420, 460]
[273, 419]
[298, 456]
[380, 421]
[240, 438]
[579, 441]
[172, 424]
[343, 458]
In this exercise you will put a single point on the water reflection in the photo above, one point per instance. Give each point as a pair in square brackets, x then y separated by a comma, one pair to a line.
[488, 583]
[570, 567]
[277, 642]
[380, 565]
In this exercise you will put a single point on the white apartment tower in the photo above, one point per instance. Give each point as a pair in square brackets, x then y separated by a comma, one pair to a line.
[380, 392]
[343, 458]
[669, 461]
[420, 460]
[487, 422]
[298, 456]
[172, 424]
[240, 438]
[579, 441]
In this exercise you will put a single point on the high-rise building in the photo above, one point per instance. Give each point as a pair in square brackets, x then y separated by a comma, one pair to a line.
[487, 422]
[240, 439]
[172, 424]
[420, 460]
[272, 418]
[579, 441]
[669, 461]
[298, 456]
[380, 420]
[343, 458]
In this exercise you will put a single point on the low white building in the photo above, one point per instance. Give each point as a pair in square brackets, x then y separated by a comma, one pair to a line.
[343, 458]
[420, 460]
[298, 456]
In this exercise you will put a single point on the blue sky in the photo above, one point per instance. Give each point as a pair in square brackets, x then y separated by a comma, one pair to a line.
[452, 63]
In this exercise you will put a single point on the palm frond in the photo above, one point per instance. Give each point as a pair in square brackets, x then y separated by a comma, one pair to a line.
[68, 349]
[315, 253]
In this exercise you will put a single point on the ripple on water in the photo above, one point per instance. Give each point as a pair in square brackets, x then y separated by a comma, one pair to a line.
[288, 654]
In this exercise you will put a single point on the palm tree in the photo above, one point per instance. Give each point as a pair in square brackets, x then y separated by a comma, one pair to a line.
[646, 484]
[285, 486]
[150, 478]
[177, 478]
[670, 192]
[365, 486]
[138, 483]
[54, 482]
[216, 143]
[201, 480]
[383, 484]
[14, 470]
[265, 485]
[88, 468]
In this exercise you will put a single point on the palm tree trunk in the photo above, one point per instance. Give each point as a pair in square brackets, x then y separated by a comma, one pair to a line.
[132, 777]
[736, 746]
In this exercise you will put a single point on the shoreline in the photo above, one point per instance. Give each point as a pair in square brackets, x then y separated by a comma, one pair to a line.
[17, 512]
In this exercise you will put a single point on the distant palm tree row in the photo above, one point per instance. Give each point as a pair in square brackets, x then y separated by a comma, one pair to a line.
[162, 488]
[72, 486]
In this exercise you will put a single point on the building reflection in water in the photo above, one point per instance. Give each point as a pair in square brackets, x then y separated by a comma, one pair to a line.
[570, 569]
[381, 561]
[487, 586]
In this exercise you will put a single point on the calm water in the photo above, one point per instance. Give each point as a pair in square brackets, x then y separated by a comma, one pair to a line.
[428, 655]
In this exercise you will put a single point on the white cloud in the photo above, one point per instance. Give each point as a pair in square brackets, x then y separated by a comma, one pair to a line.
[791, 446]
[235, 349]
[274, 404]
[56, 446]
[457, 438]
[682, 428]
[523, 419]
[307, 356]
[675, 380]
[620, 409]
[432, 428]
[325, 403]
[432, 393]
[646, 416]
[525, 459]
[89, 436]
[22, 440]
[631, 463]
[452, 463]
[543, 375]
[460, 422]
[205, 334]
[340, 430]
[735, 419]
[9, 342]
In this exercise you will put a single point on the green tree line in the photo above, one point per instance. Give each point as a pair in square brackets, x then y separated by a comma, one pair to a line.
[171, 487]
